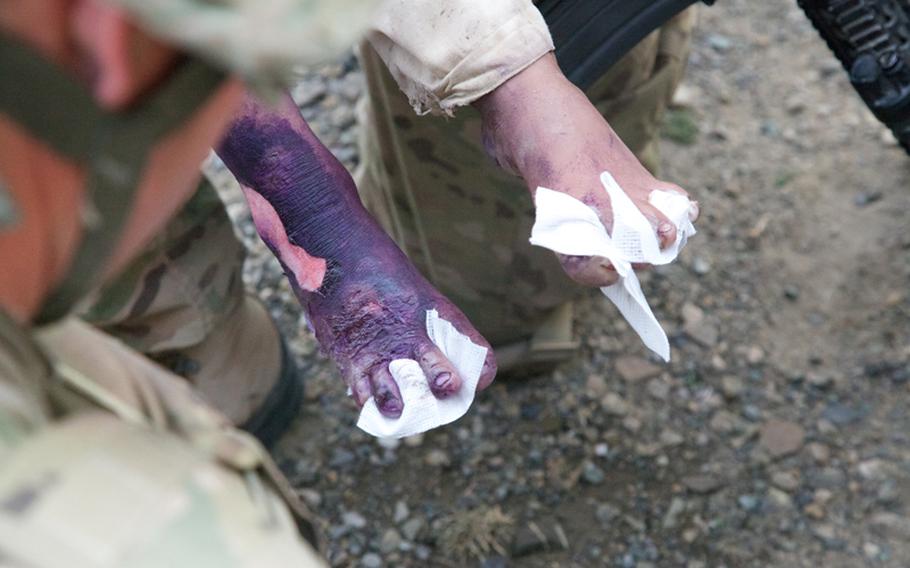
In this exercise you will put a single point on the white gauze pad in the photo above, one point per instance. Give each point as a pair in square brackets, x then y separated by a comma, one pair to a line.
[565, 225]
[423, 411]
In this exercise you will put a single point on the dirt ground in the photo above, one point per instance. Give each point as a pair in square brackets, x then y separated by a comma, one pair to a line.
[778, 436]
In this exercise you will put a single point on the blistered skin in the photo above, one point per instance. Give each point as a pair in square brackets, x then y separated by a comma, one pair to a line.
[368, 304]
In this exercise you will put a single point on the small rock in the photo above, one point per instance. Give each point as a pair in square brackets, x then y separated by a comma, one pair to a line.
[671, 518]
[867, 198]
[601, 450]
[413, 441]
[592, 474]
[686, 96]
[871, 550]
[779, 500]
[723, 422]
[353, 519]
[701, 266]
[781, 438]
[828, 535]
[411, 529]
[719, 42]
[371, 560]
[827, 478]
[819, 452]
[692, 314]
[606, 513]
[786, 480]
[704, 333]
[749, 503]
[634, 369]
[614, 404]
[401, 512]
[596, 386]
[791, 292]
[815, 511]
[437, 458]
[755, 355]
[671, 438]
[702, 483]
[842, 414]
[658, 389]
[631, 423]
[390, 542]
[819, 380]
[732, 386]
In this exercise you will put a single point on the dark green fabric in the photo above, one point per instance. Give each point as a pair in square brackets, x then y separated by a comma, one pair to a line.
[115, 146]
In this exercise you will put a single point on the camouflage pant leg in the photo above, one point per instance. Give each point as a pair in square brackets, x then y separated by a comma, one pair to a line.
[465, 223]
[129, 469]
[187, 281]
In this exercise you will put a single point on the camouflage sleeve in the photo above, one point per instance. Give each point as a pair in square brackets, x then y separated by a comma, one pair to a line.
[448, 53]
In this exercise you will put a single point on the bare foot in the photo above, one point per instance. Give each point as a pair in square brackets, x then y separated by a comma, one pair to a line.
[364, 299]
[541, 127]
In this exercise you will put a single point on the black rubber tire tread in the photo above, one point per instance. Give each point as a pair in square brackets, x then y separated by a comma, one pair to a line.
[591, 35]
[846, 59]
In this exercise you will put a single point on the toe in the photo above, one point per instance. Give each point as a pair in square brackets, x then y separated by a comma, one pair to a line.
[441, 375]
[593, 271]
[666, 230]
[385, 391]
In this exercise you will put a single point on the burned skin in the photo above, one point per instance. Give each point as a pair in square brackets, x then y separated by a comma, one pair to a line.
[365, 301]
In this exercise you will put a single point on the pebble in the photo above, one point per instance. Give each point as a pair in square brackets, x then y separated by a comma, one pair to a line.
[781, 438]
[702, 483]
[671, 438]
[749, 503]
[411, 529]
[723, 422]
[353, 519]
[633, 369]
[871, 550]
[658, 389]
[786, 480]
[842, 414]
[701, 265]
[676, 508]
[732, 386]
[401, 512]
[437, 458]
[779, 499]
[592, 474]
[606, 513]
[819, 452]
[390, 542]
[719, 42]
[371, 560]
[614, 404]
[596, 386]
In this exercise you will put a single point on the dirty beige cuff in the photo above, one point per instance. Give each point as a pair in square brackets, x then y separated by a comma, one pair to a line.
[448, 53]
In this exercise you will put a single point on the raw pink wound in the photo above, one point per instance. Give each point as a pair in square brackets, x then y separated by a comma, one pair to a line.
[308, 270]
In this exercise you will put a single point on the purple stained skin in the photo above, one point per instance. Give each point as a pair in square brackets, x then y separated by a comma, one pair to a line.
[371, 305]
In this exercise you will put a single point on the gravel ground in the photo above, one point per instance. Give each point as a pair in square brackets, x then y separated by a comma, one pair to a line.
[779, 434]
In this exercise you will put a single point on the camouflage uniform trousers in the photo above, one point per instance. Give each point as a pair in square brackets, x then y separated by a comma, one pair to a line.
[107, 460]
[466, 223]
